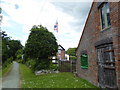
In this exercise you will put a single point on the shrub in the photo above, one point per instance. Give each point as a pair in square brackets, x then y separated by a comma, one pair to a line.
[20, 61]
[31, 63]
[38, 64]
[72, 57]
[7, 62]
[42, 64]
[53, 66]
[19, 56]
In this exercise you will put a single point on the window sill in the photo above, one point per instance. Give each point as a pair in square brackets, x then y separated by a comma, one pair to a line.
[84, 67]
[107, 28]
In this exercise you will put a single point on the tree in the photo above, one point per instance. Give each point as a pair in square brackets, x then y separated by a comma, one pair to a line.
[14, 46]
[5, 40]
[9, 47]
[41, 45]
[71, 51]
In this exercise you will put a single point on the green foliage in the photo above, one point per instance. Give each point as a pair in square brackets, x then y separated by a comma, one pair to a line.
[40, 45]
[53, 66]
[14, 46]
[71, 51]
[58, 80]
[31, 63]
[20, 61]
[19, 55]
[42, 64]
[7, 62]
[5, 70]
[5, 40]
[72, 57]
[9, 47]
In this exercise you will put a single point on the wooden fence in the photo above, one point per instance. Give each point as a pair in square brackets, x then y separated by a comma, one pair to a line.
[67, 66]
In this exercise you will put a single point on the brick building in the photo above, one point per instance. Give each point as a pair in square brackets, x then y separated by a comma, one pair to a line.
[61, 53]
[98, 51]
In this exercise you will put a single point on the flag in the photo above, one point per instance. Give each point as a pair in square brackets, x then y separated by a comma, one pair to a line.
[56, 26]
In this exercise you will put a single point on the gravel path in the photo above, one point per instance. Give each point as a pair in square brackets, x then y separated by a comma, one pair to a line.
[13, 78]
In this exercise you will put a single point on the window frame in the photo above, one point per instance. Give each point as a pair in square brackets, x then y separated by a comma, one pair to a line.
[104, 6]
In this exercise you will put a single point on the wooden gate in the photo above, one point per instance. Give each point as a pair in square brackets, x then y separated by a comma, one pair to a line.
[106, 66]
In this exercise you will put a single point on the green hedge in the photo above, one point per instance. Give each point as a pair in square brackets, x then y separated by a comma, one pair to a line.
[72, 57]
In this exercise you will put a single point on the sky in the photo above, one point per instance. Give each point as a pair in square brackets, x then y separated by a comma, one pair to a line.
[20, 15]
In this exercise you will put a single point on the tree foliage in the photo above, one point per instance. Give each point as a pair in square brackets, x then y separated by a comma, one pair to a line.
[9, 47]
[41, 45]
[14, 46]
[71, 51]
[5, 40]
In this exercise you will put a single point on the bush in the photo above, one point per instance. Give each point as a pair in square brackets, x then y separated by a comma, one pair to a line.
[19, 56]
[72, 57]
[42, 64]
[53, 66]
[7, 62]
[20, 61]
[31, 63]
[38, 64]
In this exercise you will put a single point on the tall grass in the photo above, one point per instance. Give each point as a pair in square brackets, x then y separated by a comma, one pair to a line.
[5, 70]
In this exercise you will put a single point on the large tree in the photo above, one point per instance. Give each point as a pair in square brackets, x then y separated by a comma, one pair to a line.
[9, 47]
[71, 51]
[14, 46]
[4, 43]
[41, 45]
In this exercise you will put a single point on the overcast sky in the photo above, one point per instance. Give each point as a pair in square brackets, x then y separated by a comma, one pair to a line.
[20, 15]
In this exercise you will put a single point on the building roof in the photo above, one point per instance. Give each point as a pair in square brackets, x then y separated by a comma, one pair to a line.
[61, 48]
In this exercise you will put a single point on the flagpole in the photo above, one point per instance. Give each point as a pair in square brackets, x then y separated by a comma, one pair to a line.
[58, 37]
[58, 32]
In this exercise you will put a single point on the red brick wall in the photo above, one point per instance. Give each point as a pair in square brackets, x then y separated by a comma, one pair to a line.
[62, 54]
[91, 34]
[118, 56]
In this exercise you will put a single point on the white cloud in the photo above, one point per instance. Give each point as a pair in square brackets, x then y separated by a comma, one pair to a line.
[5, 21]
[35, 12]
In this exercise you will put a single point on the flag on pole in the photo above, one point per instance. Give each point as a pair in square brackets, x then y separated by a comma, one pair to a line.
[56, 26]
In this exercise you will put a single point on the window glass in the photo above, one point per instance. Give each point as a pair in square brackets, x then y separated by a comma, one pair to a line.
[59, 51]
[108, 14]
[105, 15]
[102, 17]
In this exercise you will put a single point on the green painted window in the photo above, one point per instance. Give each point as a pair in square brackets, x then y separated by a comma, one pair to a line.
[105, 15]
[84, 61]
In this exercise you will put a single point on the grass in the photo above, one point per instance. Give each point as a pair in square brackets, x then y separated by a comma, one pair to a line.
[59, 80]
[4, 71]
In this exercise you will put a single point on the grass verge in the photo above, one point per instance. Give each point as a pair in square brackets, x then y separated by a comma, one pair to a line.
[4, 71]
[59, 80]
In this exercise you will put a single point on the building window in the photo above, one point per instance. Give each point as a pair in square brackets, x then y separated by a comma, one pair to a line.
[105, 15]
[59, 51]
[84, 61]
